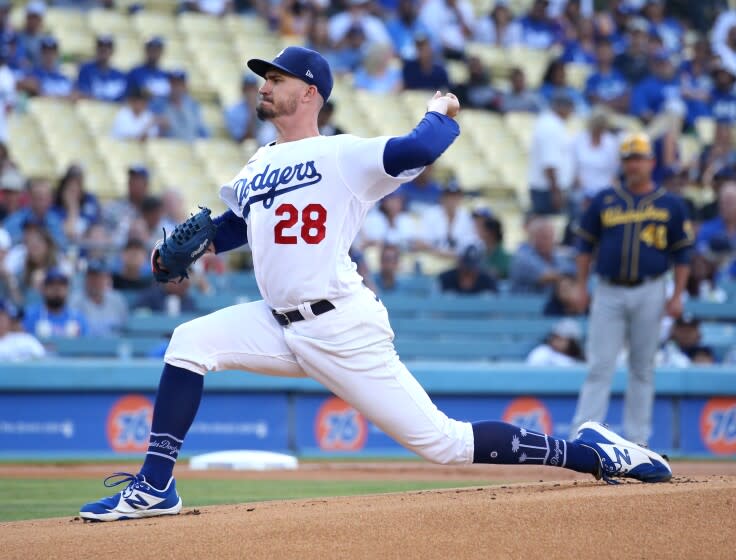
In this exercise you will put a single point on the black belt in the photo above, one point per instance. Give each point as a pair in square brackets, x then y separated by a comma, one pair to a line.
[318, 308]
[631, 283]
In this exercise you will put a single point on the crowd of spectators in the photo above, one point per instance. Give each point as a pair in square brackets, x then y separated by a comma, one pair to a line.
[71, 264]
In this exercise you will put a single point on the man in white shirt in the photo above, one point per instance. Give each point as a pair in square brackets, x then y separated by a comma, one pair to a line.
[357, 14]
[450, 20]
[448, 229]
[551, 160]
[16, 346]
[596, 156]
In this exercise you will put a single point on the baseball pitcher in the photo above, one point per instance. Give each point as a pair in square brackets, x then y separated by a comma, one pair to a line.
[298, 203]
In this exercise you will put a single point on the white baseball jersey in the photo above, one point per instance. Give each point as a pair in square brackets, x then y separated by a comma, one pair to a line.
[303, 203]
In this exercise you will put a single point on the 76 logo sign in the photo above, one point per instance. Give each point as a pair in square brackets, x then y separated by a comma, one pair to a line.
[312, 230]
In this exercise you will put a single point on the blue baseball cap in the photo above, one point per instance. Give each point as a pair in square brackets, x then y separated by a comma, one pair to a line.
[178, 75]
[49, 42]
[55, 275]
[305, 64]
[138, 169]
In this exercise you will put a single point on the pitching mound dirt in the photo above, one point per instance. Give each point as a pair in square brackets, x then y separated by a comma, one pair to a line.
[691, 517]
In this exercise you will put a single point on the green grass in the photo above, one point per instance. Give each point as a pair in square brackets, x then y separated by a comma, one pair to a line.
[36, 498]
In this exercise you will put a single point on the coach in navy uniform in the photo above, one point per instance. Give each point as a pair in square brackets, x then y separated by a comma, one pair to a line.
[635, 233]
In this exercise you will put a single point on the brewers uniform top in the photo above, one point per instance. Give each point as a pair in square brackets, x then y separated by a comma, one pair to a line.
[314, 194]
[638, 236]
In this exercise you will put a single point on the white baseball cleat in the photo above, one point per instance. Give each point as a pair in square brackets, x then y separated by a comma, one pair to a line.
[139, 499]
[621, 458]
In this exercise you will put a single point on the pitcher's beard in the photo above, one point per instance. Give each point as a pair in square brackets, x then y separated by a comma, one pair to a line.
[276, 109]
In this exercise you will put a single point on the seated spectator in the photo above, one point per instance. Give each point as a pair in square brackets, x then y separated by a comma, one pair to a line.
[350, 51]
[519, 98]
[448, 229]
[478, 92]
[54, 317]
[318, 39]
[11, 191]
[97, 78]
[723, 99]
[149, 77]
[554, 83]
[211, 7]
[105, 309]
[551, 171]
[498, 28]
[685, 333]
[30, 260]
[180, 115]
[719, 234]
[171, 298]
[76, 208]
[563, 300]
[633, 63]
[97, 243]
[240, 118]
[697, 81]
[386, 279]
[29, 38]
[652, 93]
[596, 156]
[389, 223]
[377, 74]
[580, 48]
[538, 265]
[50, 82]
[134, 261]
[561, 348]
[152, 214]
[469, 276]
[716, 165]
[538, 30]
[423, 191]
[702, 282]
[702, 355]
[38, 211]
[119, 214]
[358, 15]
[667, 28]
[294, 17]
[425, 72]
[324, 120]
[490, 231]
[134, 120]
[404, 26]
[451, 21]
[606, 85]
[9, 289]
[16, 346]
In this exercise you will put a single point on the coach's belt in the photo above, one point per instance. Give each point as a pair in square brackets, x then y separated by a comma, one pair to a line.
[631, 283]
[288, 317]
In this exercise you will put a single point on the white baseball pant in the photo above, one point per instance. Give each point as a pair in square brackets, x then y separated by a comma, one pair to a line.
[349, 350]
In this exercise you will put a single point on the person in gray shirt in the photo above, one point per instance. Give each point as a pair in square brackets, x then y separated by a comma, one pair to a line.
[519, 98]
[106, 309]
[181, 117]
[539, 264]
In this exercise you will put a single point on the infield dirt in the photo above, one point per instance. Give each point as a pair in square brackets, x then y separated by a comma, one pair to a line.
[565, 516]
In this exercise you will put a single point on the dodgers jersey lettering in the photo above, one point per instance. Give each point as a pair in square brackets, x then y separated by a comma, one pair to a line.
[303, 203]
[637, 235]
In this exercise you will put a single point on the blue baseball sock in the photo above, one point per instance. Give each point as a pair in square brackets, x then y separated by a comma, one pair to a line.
[177, 401]
[501, 443]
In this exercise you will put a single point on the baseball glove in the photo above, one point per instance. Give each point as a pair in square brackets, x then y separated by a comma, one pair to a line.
[186, 244]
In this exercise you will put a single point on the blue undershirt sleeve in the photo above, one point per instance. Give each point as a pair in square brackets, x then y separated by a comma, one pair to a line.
[231, 232]
[422, 146]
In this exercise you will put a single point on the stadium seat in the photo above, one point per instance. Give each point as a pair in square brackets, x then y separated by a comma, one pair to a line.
[128, 52]
[60, 20]
[222, 159]
[150, 24]
[200, 25]
[705, 128]
[176, 166]
[533, 61]
[28, 148]
[457, 71]
[76, 44]
[214, 119]
[119, 156]
[109, 22]
[97, 115]
[577, 74]
[246, 26]
[522, 126]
